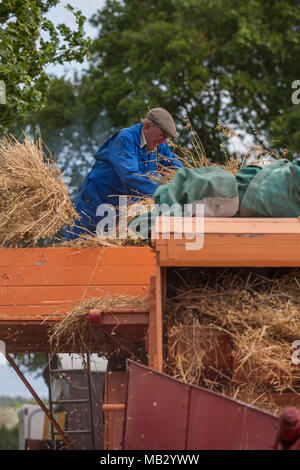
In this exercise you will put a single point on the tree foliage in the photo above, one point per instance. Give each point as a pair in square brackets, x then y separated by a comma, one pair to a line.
[233, 61]
[9, 438]
[28, 43]
[67, 130]
[32, 363]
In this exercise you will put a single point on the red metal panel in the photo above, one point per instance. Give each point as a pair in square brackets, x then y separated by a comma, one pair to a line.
[163, 413]
[156, 410]
[219, 423]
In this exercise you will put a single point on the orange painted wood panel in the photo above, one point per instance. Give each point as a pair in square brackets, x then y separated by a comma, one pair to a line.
[116, 319]
[227, 241]
[40, 282]
[37, 313]
[41, 285]
[13, 313]
[74, 275]
[233, 240]
[232, 250]
[57, 295]
[59, 256]
[151, 335]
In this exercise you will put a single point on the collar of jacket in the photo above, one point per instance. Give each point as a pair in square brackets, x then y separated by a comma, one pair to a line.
[143, 141]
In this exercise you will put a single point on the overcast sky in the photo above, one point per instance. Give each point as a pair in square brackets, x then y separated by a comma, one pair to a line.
[11, 385]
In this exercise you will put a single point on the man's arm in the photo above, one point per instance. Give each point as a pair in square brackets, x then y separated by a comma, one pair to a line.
[170, 159]
[125, 163]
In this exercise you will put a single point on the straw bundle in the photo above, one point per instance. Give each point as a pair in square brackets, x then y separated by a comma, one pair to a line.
[195, 156]
[34, 201]
[122, 237]
[73, 329]
[258, 315]
[91, 240]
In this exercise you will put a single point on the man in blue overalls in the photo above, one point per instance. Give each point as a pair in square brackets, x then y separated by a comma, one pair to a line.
[123, 166]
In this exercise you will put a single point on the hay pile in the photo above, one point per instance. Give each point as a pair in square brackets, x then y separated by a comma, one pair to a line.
[34, 201]
[195, 156]
[74, 328]
[94, 240]
[122, 236]
[260, 316]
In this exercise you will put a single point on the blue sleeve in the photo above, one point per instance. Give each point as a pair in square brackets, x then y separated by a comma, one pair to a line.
[171, 159]
[125, 163]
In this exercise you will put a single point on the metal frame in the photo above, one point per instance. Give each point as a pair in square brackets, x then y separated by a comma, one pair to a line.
[40, 402]
[90, 401]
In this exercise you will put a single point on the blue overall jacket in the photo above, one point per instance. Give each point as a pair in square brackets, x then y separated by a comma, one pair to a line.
[121, 168]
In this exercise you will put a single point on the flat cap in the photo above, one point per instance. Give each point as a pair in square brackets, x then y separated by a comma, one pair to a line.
[163, 119]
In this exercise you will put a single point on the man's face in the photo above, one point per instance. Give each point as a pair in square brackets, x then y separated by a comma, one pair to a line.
[154, 136]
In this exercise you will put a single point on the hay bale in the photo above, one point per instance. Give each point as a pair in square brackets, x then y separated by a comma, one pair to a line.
[261, 316]
[34, 201]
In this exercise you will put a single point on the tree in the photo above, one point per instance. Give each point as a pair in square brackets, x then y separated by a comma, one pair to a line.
[67, 130]
[28, 43]
[232, 61]
[9, 438]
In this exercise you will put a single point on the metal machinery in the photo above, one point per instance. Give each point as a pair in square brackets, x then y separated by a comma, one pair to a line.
[39, 285]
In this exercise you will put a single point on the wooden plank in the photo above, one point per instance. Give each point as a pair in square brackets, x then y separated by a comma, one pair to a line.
[74, 275]
[129, 256]
[230, 225]
[158, 358]
[34, 312]
[118, 319]
[34, 337]
[272, 250]
[59, 256]
[36, 315]
[115, 388]
[228, 241]
[233, 240]
[152, 342]
[54, 296]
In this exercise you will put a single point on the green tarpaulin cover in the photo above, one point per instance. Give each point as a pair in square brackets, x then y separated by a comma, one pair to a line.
[271, 191]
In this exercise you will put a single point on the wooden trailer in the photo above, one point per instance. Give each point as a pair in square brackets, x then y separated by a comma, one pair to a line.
[39, 285]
